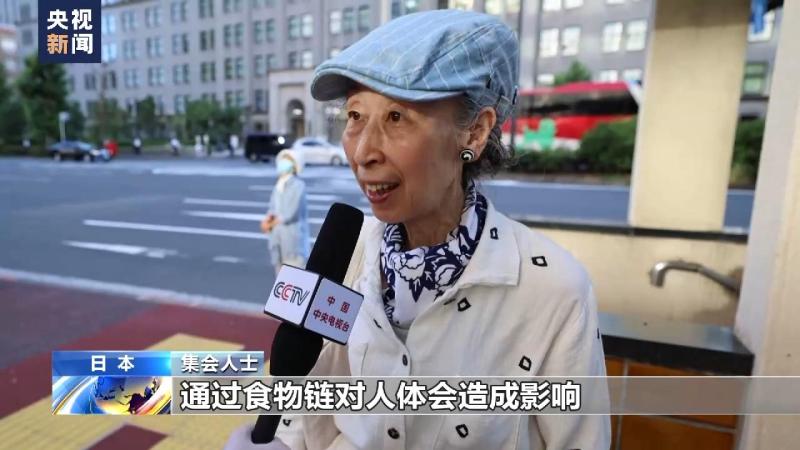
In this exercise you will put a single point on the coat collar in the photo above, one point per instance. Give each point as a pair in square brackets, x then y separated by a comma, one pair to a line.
[495, 261]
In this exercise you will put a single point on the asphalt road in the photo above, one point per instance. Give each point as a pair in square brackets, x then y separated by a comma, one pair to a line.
[191, 226]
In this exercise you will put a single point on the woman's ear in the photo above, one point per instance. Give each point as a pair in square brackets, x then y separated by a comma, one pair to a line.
[481, 129]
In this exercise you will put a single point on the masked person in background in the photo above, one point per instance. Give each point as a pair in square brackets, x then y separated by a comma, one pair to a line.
[286, 222]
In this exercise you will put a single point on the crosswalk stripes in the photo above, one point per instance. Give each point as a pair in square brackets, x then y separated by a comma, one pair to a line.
[230, 209]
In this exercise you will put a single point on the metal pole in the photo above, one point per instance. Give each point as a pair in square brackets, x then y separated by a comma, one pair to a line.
[514, 110]
[61, 128]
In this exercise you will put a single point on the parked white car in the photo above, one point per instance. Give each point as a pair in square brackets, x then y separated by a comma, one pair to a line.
[319, 151]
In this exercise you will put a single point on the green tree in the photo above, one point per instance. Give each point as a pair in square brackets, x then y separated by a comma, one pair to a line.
[43, 89]
[76, 124]
[576, 72]
[12, 125]
[146, 116]
[108, 121]
[608, 147]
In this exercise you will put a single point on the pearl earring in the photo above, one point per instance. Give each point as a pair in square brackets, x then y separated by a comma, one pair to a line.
[467, 155]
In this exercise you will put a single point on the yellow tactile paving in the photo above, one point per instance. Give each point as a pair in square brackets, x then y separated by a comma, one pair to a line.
[35, 428]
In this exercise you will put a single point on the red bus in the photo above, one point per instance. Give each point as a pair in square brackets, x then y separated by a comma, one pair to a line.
[558, 117]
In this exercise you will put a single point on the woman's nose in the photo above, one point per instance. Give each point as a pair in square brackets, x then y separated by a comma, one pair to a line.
[369, 146]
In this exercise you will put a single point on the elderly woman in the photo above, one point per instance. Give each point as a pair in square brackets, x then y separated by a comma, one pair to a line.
[451, 286]
[286, 222]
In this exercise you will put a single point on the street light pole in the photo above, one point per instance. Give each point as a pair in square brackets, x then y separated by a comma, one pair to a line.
[514, 107]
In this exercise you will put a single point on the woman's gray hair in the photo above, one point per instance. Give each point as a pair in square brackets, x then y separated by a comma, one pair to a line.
[495, 156]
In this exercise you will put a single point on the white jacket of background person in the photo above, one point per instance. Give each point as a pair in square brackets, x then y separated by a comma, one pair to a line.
[503, 314]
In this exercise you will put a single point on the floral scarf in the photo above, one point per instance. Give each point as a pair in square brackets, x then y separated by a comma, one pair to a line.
[416, 278]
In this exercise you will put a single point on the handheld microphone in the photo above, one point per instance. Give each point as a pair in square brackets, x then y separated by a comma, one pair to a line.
[302, 298]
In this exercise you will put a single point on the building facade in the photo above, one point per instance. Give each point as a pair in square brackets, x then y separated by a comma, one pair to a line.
[259, 55]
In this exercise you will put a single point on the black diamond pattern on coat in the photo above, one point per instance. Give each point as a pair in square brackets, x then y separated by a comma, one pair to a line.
[525, 363]
[462, 430]
[539, 261]
[493, 233]
[463, 304]
[287, 422]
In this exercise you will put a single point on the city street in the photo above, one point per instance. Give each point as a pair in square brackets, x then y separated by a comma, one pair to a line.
[161, 227]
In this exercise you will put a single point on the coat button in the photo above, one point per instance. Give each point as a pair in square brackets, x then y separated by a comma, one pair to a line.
[405, 360]
[393, 433]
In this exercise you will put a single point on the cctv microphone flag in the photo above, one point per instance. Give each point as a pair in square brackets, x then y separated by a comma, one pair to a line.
[314, 303]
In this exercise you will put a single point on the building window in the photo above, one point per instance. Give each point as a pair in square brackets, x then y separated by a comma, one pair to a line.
[294, 27]
[270, 30]
[612, 37]
[292, 60]
[551, 5]
[228, 99]
[572, 4]
[208, 71]
[89, 82]
[108, 52]
[177, 12]
[307, 59]
[363, 18]
[608, 76]
[205, 8]
[461, 4]
[152, 17]
[260, 100]
[25, 13]
[227, 35]
[308, 25]
[228, 68]
[238, 35]
[239, 98]
[271, 62]
[548, 43]
[154, 48]
[396, 9]
[128, 19]
[180, 103]
[207, 40]
[632, 75]
[27, 37]
[348, 20]
[766, 33]
[239, 68]
[636, 38]
[258, 31]
[755, 79]
[259, 68]
[180, 44]
[335, 22]
[108, 24]
[545, 79]
[570, 41]
[334, 52]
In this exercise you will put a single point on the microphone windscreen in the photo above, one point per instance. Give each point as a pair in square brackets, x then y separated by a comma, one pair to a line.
[336, 242]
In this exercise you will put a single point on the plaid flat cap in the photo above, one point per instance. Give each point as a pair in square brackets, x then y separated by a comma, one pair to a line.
[428, 56]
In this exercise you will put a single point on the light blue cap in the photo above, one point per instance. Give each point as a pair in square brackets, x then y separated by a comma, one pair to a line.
[429, 56]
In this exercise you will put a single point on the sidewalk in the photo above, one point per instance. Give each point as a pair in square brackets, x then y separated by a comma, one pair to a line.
[37, 319]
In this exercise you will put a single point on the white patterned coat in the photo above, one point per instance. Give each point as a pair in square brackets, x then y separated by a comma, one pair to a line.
[523, 307]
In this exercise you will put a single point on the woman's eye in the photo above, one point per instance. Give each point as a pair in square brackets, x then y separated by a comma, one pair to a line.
[355, 115]
[394, 116]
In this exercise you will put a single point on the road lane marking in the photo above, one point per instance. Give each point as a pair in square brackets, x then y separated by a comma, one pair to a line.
[241, 216]
[159, 253]
[222, 202]
[173, 229]
[228, 259]
[226, 215]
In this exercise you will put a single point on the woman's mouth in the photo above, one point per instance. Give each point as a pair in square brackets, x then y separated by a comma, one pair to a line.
[379, 192]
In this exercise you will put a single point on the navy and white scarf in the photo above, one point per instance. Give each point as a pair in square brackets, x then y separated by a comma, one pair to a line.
[416, 278]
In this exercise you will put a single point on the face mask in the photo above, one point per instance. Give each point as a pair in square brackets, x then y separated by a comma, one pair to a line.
[284, 166]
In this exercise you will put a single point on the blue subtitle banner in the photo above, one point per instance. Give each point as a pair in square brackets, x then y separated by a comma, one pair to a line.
[157, 363]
